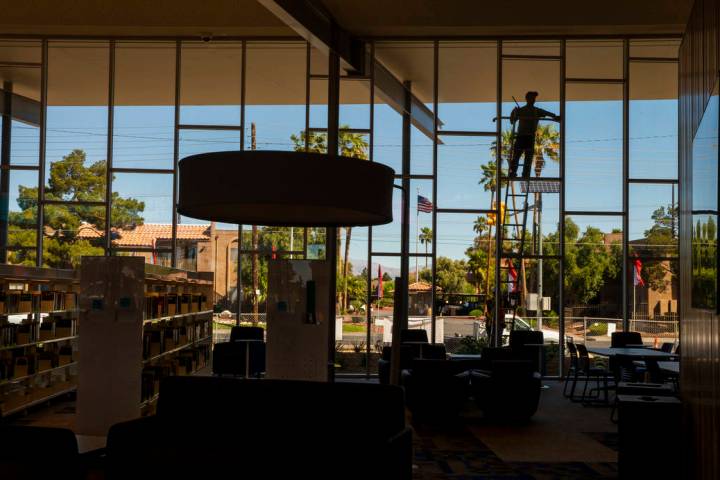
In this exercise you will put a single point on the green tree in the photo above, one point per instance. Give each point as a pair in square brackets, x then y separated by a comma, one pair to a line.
[70, 180]
[451, 276]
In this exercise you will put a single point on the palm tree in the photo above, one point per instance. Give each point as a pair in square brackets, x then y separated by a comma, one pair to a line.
[425, 236]
[350, 145]
[475, 266]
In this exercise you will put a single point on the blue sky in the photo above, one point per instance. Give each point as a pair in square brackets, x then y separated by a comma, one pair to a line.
[144, 139]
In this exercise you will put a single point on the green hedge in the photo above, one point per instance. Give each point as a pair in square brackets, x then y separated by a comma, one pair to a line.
[597, 329]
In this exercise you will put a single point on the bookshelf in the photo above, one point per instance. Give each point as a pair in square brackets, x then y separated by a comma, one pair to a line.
[38, 335]
[140, 323]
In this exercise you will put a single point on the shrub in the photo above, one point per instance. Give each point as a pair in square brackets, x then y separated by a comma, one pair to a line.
[597, 329]
[476, 313]
[471, 345]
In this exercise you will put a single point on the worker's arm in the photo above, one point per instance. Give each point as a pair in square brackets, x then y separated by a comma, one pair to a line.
[513, 115]
[545, 113]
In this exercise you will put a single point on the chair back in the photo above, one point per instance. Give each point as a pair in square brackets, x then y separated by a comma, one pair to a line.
[413, 335]
[38, 452]
[229, 358]
[573, 351]
[247, 333]
[623, 339]
[583, 356]
[433, 351]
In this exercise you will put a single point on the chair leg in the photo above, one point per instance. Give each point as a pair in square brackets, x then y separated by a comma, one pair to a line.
[574, 384]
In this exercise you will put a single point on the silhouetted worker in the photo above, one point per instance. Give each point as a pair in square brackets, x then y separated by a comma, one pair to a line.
[528, 116]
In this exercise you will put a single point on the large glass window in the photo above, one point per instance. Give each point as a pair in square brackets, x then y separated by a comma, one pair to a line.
[704, 266]
[594, 147]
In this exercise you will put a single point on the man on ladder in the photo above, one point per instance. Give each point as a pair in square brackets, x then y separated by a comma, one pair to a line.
[524, 142]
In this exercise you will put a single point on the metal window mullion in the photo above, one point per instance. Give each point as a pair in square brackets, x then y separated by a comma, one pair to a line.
[436, 86]
[561, 226]
[371, 153]
[109, 157]
[42, 154]
[496, 341]
[176, 151]
[238, 281]
[626, 175]
[333, 114]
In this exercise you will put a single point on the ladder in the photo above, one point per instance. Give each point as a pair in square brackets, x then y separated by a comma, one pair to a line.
[516, 214]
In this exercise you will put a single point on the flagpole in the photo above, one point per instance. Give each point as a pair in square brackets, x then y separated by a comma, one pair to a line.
[417, 235]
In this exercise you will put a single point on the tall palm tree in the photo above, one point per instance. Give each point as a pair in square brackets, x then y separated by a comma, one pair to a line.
[475, 268]
[425, 237]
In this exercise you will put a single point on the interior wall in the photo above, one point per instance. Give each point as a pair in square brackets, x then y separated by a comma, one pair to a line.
[700, 329]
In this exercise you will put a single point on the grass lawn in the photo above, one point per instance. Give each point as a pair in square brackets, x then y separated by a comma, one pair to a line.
[221, 326]
[353, 328]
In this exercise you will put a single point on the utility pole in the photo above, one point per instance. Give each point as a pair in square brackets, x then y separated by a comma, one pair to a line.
[255, 266]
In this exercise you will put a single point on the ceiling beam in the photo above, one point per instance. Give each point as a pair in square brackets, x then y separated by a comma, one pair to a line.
[313, 23]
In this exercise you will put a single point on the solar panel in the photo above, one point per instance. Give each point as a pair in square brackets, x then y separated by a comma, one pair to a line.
[540, 186]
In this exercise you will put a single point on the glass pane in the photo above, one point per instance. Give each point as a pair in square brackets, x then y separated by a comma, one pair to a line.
[275, 95]
[704, 270]
[141, 198]
[144, 113]
[467, 87]
[318, 103]
[355, 103]
[543, 47]
[520, 77]
[269, 240]
[653, 218]
[386, 238]
[653, 120]
[23, 208]
[659, 48]
[594, 59]
[210, 83]
[71, 233]
[466, 172]
[465, 276]
[202, 141]
[593, 275]
[653, 299]
[77, 117]
[540, 221]
[382, 287]
[387, 136]
[421, 216]
[351, 331]
[593, 175]
[538, 310]
[25, 144]
[705, 159]
[421, 153]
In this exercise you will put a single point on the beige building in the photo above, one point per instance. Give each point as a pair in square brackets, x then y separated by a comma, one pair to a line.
[200, 247]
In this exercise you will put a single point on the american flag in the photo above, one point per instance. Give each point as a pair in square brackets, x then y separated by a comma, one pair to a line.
[424, 205]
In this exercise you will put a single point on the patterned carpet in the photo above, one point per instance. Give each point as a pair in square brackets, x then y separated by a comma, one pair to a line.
[455, 453]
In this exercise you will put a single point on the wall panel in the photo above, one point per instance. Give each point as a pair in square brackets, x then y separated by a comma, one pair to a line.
[700, 329]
